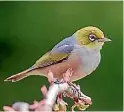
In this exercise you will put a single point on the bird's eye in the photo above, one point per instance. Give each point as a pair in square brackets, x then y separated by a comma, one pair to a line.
[92, 37]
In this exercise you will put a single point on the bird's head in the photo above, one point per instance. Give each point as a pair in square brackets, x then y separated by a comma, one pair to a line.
[91, 37]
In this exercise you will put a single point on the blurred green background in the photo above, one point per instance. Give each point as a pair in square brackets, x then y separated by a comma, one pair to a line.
[29, 29]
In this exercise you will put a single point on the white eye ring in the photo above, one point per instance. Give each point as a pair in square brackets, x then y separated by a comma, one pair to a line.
[92, 37]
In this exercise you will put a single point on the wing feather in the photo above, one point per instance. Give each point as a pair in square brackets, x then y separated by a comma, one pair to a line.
[59, 53]
[50, 58]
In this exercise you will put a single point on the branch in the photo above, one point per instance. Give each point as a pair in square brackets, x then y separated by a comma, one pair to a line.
[53, 97]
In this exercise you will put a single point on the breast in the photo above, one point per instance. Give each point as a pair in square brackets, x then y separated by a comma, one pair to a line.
[89, 60]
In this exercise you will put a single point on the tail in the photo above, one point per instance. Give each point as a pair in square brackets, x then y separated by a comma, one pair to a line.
[21, 75]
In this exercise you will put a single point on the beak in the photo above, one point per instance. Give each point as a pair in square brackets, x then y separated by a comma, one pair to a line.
[104, 39]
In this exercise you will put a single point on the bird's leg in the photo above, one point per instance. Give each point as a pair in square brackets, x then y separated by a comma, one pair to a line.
[81, 101]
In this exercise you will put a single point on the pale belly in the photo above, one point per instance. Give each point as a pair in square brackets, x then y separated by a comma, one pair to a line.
[89, 61]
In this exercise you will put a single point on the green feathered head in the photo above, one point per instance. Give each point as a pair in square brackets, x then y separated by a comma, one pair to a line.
[91, 37]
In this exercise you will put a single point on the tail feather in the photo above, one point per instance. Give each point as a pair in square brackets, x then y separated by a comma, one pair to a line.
[21, 75]
[18, 76]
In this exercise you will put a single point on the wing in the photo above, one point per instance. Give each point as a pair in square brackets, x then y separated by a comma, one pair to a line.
[50, 58]
[60, 52]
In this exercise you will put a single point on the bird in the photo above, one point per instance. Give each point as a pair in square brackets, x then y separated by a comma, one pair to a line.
[80, 52]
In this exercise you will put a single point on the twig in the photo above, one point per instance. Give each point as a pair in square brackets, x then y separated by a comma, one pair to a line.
[53, 99]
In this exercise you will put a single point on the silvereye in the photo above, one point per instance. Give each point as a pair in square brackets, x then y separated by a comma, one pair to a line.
[81, 52]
